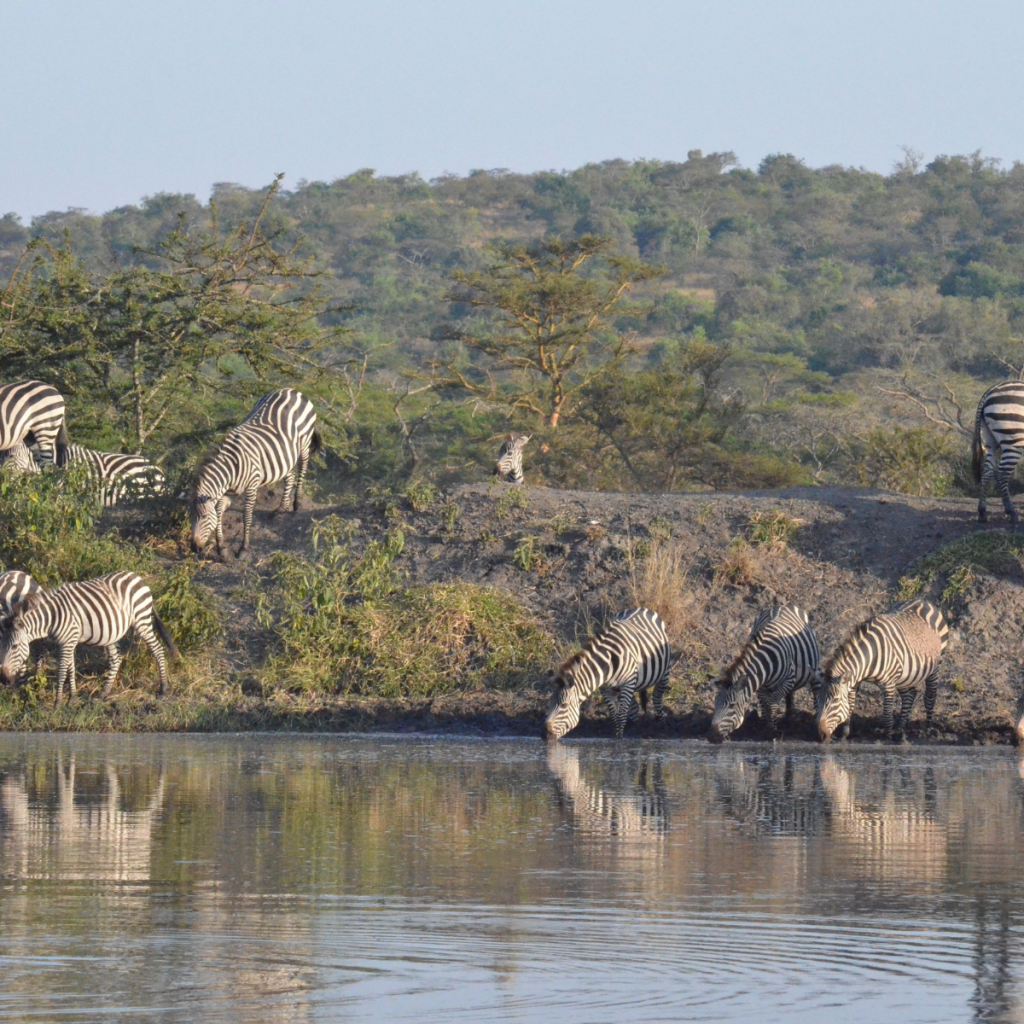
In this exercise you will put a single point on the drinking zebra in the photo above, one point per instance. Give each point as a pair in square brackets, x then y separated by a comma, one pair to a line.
[509, 466]
[630, 657]
[18, 459]
[998, 442]
[98, 613]
[113, 476]
[275, 438]
[897, 650]
[33, 412]
[779, 657]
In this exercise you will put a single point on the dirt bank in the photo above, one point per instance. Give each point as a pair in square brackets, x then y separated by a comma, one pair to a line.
[572, 557]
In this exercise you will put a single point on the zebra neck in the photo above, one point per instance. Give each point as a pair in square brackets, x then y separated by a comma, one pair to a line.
[39, 622]
[221, 475]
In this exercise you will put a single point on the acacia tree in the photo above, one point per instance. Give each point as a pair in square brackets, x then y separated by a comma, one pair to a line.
[202, 312]
[551, 328]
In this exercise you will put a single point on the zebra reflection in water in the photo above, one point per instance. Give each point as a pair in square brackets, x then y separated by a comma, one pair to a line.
[778, 796]
[629, 804]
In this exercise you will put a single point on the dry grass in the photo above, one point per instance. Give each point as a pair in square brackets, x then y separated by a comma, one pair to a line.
[660, 581]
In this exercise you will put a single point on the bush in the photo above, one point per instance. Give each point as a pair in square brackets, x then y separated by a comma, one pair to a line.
[343, 624]
[918, 461]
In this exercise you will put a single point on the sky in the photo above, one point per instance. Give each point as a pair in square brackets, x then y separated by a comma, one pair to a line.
[108, 101]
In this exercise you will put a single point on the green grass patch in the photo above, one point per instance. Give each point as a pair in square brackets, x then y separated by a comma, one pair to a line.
[343, 623]
[771, 529]
[957, 563]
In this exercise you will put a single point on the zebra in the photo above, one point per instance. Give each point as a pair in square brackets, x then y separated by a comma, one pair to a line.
[509, 466]
[14, 588]
[897, 650]
[780, 655]
[275, 438]
[18, 459]
[1018, 729]
[33, 412]
[98, 613]
[998, 442]
[114, 476]
[631, 656]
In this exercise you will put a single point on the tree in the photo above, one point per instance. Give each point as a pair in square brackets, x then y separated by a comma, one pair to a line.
[552, 330]
[199, 313]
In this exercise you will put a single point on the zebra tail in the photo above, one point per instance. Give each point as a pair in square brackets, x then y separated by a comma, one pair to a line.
[62, 444]
[977, 451]
[165, 636]
[316, 442]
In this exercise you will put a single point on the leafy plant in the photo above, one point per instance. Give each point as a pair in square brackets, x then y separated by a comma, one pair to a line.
[771, 529]
[527, 554]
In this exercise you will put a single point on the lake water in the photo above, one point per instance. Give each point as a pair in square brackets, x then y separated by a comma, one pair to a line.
[265, 879]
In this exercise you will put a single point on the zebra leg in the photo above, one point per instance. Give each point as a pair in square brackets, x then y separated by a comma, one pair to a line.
[888, 707]
[286, 494]
[931, 692]
[622, 708]
[247, 512]
[66, 670]
[1007, 464]
[300, 477]
[642, 694]
[986, 478]
[116, 657]
[907, 698]
[660, 689]
[145, 630]
[766, 712]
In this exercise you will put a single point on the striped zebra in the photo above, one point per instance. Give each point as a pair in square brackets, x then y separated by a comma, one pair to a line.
[98, 613]
[14, 588]
[18, 459]
[779, 657]
[114, 477]
[630, 657]
[897, 650]
[277, 437]
[33, 412]
[509, 466]
[998, 442]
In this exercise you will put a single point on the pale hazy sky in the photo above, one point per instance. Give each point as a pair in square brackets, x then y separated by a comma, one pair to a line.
[105, 101]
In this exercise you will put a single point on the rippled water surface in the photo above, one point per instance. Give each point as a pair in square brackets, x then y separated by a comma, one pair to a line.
[318, 879]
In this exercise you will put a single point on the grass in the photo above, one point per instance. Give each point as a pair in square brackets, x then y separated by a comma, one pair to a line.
[771, 529]
[343, 623]
[660, 581]
[515, 497]
[958, 563]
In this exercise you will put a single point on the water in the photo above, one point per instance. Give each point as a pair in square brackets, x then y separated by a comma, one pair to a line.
[269, 879]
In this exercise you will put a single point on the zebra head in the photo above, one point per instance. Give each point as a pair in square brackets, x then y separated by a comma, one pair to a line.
[834, 701]
[731, 701]
[18, 459]
[509, 466]
[564, 710]
[205, 513]
[17, 631]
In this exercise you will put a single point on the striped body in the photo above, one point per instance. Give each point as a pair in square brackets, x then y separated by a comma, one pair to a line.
[509, 466]
[780, 656]
[32, 412]
[98, 613]
[274, 442]
[897, 650]
[18, 459]
[14, 588]
[115, 477]
[998, 442]
[631, 656]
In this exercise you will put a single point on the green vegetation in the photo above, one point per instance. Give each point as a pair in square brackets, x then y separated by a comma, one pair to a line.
[771, 529]
[955, 564]
[343, 623]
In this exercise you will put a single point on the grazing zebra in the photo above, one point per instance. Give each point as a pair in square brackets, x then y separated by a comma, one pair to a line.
[115, 477]
[33, 412]
[896, 650]
[509, 466]
[780, 656]
[97, 612]
[998, 442]
[14, 588]
[275, 438]
[18, 459]
[630, 656]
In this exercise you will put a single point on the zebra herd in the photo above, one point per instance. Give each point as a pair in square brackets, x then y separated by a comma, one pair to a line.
[898, 650]
[273, 443]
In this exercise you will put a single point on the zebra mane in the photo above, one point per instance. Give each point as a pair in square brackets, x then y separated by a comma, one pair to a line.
[207, 460]
[571, 662]
[859, 630]
[25, 605]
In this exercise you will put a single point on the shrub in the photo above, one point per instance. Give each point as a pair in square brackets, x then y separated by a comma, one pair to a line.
[771, 529]
[920, 461]
[343, 623]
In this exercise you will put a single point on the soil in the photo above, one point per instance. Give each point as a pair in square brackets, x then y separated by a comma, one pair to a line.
[844, 562]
